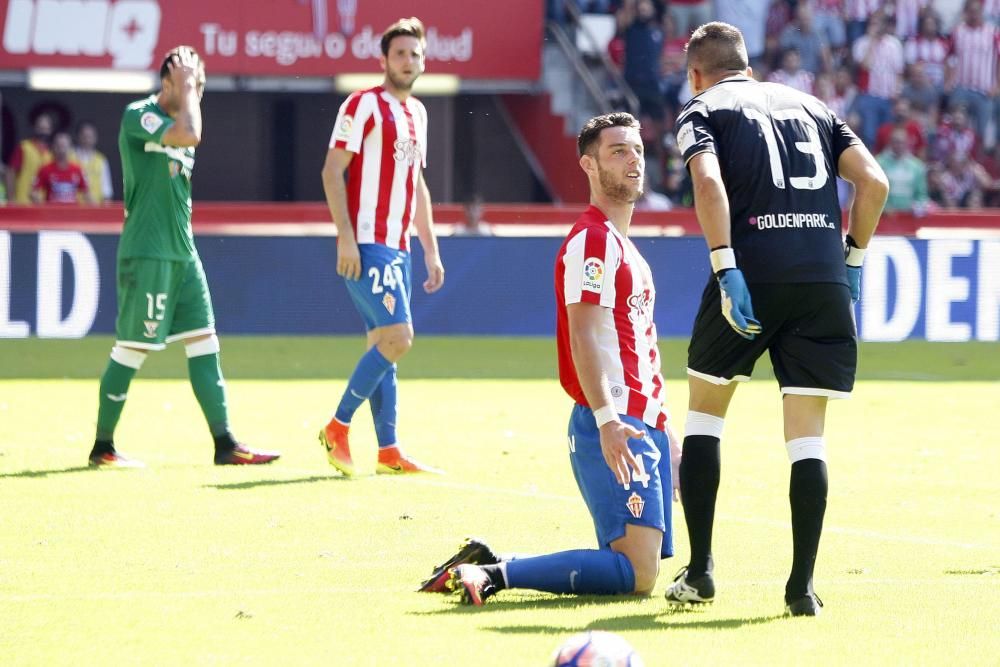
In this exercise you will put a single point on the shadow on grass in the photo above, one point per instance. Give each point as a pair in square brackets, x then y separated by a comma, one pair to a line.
[659, 621]
[236, 486]
[45, 473]
[664, 619]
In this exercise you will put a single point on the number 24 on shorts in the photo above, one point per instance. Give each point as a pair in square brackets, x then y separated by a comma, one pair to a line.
[388, 278]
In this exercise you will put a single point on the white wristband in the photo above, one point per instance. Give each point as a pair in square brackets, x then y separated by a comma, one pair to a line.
[854, 256]
[604, 415]
[722, 258]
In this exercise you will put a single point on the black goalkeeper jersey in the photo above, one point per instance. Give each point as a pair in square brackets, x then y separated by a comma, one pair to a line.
[778, 150]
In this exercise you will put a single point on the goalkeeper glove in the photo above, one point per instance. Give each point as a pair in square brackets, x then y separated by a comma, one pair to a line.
[736, 306]
[855, 257]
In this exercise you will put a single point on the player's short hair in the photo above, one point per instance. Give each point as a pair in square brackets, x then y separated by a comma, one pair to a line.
[589, 138]
[171, 56]
[717, 47]
[411, 27]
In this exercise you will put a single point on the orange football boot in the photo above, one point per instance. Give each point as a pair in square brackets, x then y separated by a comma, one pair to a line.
[333, 437]
[392, 461]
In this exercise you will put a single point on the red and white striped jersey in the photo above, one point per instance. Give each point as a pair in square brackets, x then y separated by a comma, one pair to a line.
[908, 17]
[932, 52]
[975, 52]
[860, 10]
[598, 265]
[801, 80]
[390, 140]
[884, 79]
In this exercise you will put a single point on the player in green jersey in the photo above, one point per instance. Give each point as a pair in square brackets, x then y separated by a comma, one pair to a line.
[162, 292]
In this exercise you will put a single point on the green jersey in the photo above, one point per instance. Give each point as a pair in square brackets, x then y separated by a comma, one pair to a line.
[157, 187]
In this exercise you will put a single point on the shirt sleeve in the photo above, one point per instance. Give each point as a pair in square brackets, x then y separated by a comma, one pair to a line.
[694, 134]
[591, 262]
[843, 138]
[352, 119]
[145, 125]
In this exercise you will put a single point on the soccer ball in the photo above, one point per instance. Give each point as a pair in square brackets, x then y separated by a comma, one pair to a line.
[596, 649]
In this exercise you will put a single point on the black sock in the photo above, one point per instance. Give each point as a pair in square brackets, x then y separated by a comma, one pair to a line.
[225, 442]
[102, 447]
[701, 466]
[807, 493]
[495, 575]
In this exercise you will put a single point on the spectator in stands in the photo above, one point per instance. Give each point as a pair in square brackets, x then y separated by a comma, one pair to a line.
[841, 96]
[473, 223]
[92, 161]
[907, 14]
[689, 14]
[644, 39]
[61, 181]
[791, 74]
[29, 156]
[801, 34]
[779, 14]
[954, 136]
[673, 69]
[925, 98]
[962, 183]
[879, 57]
[750, 16]
[929, 49]
[856, 16]
[991, 163]
[902, 119]
[949, 12]
[907, 175]
[972, 69]
[829, 19]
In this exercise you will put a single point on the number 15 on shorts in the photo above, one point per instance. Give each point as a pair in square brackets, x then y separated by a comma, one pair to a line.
[156, 305]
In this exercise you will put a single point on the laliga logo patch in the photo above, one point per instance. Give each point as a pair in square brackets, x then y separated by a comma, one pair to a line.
[344, 131]
[151, 327]
[685, 137]
[593, 275]
[150, 122]
[389, 301]
[635, 503]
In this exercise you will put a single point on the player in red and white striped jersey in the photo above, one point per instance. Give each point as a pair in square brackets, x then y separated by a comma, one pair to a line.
[609, 365]
[974, 68]
[380, 140]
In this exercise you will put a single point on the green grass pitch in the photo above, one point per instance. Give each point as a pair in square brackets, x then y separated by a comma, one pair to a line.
[289, 564]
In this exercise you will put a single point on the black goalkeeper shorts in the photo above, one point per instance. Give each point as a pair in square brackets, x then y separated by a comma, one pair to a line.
[808, 329]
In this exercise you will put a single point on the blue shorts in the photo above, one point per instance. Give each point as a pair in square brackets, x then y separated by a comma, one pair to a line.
[645, 503]
[382, 293]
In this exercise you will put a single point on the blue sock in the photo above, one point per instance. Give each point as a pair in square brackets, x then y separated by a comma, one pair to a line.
[383, 404]
[581, 571]
[364, 380]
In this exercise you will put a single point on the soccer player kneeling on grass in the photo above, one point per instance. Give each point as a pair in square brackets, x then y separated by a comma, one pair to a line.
[162, 292]
[609, 364]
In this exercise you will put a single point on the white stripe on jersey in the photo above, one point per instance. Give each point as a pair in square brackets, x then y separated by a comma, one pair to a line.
[373, 187]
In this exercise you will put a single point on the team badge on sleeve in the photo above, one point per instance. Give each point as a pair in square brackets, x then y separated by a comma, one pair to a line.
[150, 122]
[593, 275]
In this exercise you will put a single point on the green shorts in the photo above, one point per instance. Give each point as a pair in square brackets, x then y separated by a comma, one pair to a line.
[160, 301]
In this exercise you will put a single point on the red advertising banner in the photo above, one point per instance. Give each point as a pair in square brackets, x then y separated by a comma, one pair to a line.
[474, 40]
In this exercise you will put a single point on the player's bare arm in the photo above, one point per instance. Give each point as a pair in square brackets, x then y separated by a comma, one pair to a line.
[423, 220]
[859, 167]
[584, 322]
[710, 201]
[335, 187]
[187, 84]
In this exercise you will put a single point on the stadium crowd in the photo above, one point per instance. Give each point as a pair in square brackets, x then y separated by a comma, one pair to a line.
[918, 81]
